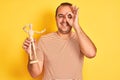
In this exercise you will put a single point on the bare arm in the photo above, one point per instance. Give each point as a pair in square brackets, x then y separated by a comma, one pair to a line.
[87, 47]
[34, 69]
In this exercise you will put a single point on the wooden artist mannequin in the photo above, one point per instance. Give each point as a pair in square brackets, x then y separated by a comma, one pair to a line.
[31, 32]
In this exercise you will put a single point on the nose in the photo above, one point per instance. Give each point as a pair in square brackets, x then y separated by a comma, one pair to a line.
[64, 19]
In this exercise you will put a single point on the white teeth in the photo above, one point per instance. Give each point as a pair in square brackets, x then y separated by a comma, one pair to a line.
[64, 24]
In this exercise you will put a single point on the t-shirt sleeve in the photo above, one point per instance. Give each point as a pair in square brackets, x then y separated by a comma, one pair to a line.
[39, 51]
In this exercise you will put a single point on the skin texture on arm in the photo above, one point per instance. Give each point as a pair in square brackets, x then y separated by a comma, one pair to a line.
[34, 69]
[87, 47]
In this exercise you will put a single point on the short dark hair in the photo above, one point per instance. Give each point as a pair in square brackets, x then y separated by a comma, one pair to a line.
[63, 4]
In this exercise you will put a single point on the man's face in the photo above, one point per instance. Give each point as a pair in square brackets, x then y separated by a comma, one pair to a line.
[62, 24]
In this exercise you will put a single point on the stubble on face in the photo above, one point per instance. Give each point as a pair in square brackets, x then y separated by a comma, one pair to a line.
[65, 28]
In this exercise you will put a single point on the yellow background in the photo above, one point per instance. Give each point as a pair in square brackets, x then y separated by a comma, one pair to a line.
[100, 19]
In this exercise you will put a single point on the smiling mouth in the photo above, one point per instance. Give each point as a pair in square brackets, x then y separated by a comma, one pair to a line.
[65, 24]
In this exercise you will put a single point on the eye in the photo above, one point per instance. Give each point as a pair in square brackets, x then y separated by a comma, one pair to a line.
[60, 16]
[69, 16]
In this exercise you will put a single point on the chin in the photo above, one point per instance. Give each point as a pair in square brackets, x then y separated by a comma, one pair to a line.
[64, 31]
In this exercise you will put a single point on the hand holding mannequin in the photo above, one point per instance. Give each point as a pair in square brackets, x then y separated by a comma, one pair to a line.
[29, 45]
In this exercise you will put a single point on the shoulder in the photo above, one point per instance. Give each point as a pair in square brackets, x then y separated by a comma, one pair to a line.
[47, 37]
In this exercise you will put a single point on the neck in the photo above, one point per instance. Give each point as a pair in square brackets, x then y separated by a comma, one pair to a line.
[64, 36]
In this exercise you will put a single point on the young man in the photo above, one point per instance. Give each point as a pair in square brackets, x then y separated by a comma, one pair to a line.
[61, 53]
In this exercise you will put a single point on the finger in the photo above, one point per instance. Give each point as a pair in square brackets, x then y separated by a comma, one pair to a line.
[75, 9]
[27, 41]
[26, 44]
[69, 15]
[69, 18]
[24, 47]
[77, 12]
[72, 8]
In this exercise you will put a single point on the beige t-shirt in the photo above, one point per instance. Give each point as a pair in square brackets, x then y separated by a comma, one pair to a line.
[61, 57]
